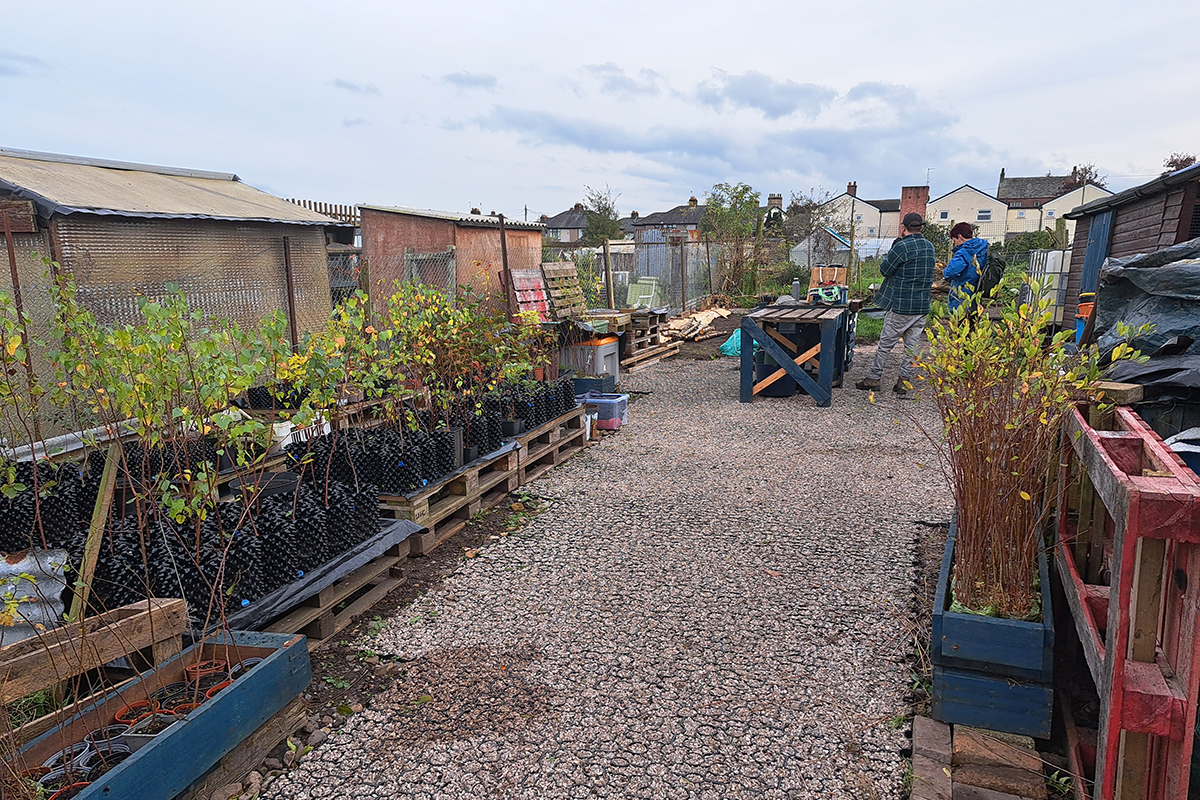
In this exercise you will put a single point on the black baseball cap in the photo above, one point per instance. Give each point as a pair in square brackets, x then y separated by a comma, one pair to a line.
[913, 220]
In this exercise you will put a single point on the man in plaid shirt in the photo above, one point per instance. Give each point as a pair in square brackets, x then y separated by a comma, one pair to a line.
[908, 275]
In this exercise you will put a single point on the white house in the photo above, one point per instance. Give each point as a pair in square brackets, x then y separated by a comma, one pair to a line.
[968, 204]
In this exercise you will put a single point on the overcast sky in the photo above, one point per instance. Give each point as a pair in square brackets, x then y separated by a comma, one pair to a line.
[508, 106]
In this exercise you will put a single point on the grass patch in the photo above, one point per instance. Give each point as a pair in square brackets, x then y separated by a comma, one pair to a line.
[868, 329]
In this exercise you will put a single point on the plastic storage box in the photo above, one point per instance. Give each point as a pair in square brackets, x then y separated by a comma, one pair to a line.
[612, 410]
[595, 357]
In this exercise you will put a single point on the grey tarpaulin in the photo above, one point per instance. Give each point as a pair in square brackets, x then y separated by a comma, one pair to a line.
[1159, 375]
[1160, 288]
[285, 598]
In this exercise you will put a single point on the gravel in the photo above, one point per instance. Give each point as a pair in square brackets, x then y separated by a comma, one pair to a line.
[712, 606]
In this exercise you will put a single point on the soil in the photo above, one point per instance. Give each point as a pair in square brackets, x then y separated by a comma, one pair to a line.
[348, 676]
[707, 349]
[158, 726]
[930, 547]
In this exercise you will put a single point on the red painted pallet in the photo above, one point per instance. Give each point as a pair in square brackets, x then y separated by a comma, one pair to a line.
[1130, 509]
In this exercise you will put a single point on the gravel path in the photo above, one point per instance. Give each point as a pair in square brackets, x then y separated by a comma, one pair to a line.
[710, 608]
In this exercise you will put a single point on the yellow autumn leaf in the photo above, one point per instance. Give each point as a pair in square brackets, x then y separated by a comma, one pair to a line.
[1025, 496]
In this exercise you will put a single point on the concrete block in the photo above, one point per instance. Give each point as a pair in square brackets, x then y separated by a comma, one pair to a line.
[931, 738]
[931, 779]
[1020, 782]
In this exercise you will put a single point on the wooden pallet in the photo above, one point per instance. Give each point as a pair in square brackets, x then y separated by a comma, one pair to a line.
[326, 613]
[645, 320]
[652, 355]
[445, 507]
[546, 447]
[562, 284]
[638, 341]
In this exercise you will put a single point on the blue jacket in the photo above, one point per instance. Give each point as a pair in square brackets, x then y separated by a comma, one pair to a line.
[961, 269]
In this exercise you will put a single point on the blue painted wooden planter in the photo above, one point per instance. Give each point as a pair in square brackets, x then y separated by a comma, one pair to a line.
[988, 672]
[185, 751]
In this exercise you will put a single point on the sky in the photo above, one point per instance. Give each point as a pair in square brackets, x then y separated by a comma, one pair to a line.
[516, 108]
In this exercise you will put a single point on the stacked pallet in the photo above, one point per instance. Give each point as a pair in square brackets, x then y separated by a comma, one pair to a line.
[445, 507]
[562, 284]
[551, 444]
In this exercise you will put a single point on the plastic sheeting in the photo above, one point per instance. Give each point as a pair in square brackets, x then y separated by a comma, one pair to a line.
[1160, 288]
[285, 598]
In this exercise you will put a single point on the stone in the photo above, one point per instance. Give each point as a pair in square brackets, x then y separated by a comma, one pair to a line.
[272, 764]
[317, 737]
[357, 708]
[1020, 782]
[931, 738]
[371, 660]
[254, 783]
[227, 792]
[311, 725]
[973, 746]
[931, 780]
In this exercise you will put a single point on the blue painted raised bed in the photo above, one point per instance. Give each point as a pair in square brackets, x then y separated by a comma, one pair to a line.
[185, 751]
[989, 672]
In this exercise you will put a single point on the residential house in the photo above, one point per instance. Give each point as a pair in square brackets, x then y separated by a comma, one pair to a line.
[125, 231]
[968, 204]
[1037, 203]
[445, 248]
[1143, 219]
[567, 226]
[680, 223]
[627, 224]
[870, 219]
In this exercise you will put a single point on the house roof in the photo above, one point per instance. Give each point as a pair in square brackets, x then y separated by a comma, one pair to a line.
[872, 203]
[566, 220]
[59, 184]
[1044, 187]
[627, 224]
[1149, 189]
[885, 205]
[972, 188]
[464, 220]
[679, 215]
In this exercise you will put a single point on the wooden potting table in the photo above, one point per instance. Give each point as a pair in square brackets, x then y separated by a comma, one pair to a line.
[833, 324]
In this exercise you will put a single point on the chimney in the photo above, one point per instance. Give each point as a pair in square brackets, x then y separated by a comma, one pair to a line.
[578, 207]
[915, 199]
[1002, 173]
[476, 212]
[852, 188]
[775, 201]
[633, 215]
[543, 218]
[692, 202]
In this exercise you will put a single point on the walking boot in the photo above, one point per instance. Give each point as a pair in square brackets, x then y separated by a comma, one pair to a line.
[902, 386]
[867, 384]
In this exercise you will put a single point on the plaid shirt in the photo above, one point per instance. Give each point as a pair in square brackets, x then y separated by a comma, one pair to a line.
[908, 273]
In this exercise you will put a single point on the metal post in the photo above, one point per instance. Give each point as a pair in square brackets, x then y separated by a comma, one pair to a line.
[17, 301]
[510, 291]
[708, 258]
[291, 292]
[682, 275]
[608, 283]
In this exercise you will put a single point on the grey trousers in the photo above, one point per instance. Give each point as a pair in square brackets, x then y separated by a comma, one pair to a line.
[896, 327]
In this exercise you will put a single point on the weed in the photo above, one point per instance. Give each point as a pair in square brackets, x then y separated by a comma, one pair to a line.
[337, 683]
[1060, 783]
[376, 626]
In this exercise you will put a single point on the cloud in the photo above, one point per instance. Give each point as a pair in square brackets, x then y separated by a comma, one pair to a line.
[470, 80]
[357, 88]
[773, 98]
[354, 123]
[614, 80]
[13, 65]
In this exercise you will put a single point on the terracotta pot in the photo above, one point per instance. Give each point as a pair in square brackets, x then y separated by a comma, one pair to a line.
[135, 711]
[69, 791]
[539, 373]
[211, 693]
[202, 668]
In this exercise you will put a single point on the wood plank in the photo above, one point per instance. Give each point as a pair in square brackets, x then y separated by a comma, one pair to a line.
[91, 547]
[783, 340]
[62, 653]
[774, 376]
[240, 761]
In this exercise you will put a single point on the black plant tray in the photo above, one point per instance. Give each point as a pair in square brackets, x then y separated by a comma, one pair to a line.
[260, 613]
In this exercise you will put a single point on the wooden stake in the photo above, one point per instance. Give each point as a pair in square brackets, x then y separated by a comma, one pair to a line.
[91, 548]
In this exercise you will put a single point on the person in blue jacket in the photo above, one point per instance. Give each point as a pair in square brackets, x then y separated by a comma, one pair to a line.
[967, 263]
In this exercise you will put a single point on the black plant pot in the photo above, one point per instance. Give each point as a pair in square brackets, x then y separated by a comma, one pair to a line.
[513, 427]
[469, 453]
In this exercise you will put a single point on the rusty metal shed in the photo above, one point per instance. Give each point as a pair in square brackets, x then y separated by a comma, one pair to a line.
[124, 230]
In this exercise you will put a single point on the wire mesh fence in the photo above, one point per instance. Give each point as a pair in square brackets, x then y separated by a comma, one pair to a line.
[673, 275]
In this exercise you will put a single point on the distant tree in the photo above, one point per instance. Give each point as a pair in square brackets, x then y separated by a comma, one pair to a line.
[1179, 160]
[603, 221]
[1082, 175]
[732, 219]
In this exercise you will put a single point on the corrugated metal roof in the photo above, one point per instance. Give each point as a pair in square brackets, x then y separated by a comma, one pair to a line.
[473, 220]
[71, 185]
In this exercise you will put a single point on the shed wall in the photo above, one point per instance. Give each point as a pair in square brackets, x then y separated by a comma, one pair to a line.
[1075, 271]
[227, 269]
